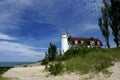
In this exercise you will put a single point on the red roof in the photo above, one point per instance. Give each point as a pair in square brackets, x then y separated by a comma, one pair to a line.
[85, 39]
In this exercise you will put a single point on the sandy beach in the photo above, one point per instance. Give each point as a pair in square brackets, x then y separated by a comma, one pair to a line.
[38, 73]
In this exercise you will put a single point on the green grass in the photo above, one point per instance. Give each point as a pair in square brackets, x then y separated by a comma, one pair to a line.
[91, 60]
[2, 70]
[84, 60]
[1, 78]
[55, 68]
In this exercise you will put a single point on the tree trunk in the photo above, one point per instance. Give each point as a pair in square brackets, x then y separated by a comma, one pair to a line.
[107, 41]
[116, 41]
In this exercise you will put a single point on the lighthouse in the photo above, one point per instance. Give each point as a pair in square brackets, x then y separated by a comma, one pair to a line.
[64, 43]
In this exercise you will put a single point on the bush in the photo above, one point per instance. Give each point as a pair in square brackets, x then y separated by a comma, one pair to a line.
[92, 60]
[2, 70]
[56, 68]
[51, 55]
[1, 78]
[85, 60]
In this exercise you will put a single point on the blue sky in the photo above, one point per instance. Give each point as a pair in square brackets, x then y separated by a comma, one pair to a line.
[28, 26]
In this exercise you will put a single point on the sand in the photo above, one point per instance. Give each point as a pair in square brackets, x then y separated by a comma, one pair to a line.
[38, 73]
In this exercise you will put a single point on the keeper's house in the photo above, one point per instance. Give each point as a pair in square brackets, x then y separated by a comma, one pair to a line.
[68, 42]
[89, 42]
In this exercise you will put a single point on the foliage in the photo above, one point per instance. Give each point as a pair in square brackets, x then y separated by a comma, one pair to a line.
[1, 78]
[81, 50]
[83, 60]
[2, 70]
[52, 52]
[103, 24]
[94, 60]
[51, 55]
[114, 15]
[52, 60]
[111, 17]
[45, 61]
[56, 68]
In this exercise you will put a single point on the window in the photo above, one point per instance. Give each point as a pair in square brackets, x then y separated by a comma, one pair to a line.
[76, 42]
[98, 43]
[82, 42]
[91, 42]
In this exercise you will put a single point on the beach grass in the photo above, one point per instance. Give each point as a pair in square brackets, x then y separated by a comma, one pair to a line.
[85, 60]
[1, 78]
[2, 70]
[92, 60]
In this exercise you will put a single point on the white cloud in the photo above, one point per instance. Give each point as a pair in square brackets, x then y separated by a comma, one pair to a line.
[91, 27]
[6, 37]
[18, 49]
[43, 11]
[83, 28]
[89, 7]
[11, 13]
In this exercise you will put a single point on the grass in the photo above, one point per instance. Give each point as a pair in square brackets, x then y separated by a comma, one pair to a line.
[2, 70]
[84, 60]
[55, 68]
[91, 60]
[1, 78]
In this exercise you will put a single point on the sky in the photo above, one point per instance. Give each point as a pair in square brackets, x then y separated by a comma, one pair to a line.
[28, 26]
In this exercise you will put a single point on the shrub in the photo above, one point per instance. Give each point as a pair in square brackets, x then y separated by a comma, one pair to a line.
[2, 70]
[56, 68]
[85, 60]
[51, 55]
[92, 60]
[1, 78]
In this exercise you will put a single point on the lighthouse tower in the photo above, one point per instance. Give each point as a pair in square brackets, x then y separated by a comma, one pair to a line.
[64, 43]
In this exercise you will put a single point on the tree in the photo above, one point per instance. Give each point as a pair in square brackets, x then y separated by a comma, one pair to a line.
[112, 7]
[46, 60]
[52, 52]
[51, 55]
[103, 23]
[114, 15]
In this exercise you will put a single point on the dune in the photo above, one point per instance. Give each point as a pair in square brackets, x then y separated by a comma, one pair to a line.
[38, 73]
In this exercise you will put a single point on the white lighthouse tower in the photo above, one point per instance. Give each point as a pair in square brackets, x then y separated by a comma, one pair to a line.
[64, 43]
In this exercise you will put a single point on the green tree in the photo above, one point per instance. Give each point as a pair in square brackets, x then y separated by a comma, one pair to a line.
[114, 15]
[103, 23]
[112, 8]
[51, 55]
[52, 52]
[45, 61]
